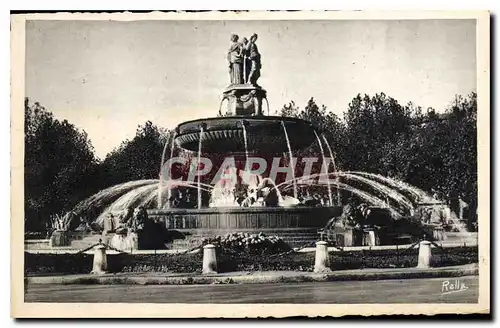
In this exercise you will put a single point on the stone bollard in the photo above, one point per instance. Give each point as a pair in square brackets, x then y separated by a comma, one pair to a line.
[100, 261]
[209, 260]
[321, 261]
[424, 255]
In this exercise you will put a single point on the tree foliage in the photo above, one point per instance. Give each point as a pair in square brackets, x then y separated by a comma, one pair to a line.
[136, 159]
[435, 152]
[59, 159]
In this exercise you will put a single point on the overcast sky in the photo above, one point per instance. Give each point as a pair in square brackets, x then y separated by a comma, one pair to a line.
[107, 77]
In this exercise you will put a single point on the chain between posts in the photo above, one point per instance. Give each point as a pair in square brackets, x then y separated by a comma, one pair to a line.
[103, 244]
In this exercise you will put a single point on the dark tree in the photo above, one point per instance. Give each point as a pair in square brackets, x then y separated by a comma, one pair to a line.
[60, 166]
[435, 152]
[136, 159]
[372, 125]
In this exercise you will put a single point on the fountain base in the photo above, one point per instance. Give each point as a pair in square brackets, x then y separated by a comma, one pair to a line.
[244, 99]
[297, 226]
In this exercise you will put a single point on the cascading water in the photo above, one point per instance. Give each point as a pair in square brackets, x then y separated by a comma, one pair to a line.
[96, 203]
[223, 192]
[198, 165]
[291, 159]
[334, 165]
[394, 189]
[172, 147]
[325, 165]
[422, 197]
[133, 198]
[159, 193]
[144, 193]
[245, 141]
[377, 187]
[382, 189]
[267, 102]
[371, 199]
[162, 177]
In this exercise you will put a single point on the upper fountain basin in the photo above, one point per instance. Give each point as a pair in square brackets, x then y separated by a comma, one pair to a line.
[226, 134]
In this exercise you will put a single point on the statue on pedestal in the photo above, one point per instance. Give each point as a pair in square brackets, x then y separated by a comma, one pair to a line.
[252, 60]
[244, 60]
[235, 60]
[244, 96]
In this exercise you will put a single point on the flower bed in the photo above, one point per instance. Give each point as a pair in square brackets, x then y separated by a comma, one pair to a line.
[82, 263]
[249, 243]
[57, 263]
[230, 261]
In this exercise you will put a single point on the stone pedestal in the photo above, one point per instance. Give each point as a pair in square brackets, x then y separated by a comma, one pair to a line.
[100, 263]
[244, 99]
[424, 255]
[209, 260]
[321, 261]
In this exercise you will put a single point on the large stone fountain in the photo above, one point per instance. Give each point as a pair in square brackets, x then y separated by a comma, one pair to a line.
[242, 129]
[192, 209]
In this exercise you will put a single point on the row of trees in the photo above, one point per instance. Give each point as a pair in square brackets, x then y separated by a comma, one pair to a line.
[435, 152]
[61, 167]
[377, 134]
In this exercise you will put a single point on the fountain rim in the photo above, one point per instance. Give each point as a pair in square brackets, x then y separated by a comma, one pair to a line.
[247, 118]
[239, 209]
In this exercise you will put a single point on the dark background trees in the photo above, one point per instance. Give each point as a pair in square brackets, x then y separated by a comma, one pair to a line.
[135, 159]
[435, 152]
[60, 166]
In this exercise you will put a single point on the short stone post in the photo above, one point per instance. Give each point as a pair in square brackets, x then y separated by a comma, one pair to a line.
[209, 260]
[100, 264]
[321, 261]
[424, 255]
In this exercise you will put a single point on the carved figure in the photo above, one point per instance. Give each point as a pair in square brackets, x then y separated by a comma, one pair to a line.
[252, 56]
[235, 60]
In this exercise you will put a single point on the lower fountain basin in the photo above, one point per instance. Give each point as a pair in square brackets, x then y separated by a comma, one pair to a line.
[298, 226]
[226, 134]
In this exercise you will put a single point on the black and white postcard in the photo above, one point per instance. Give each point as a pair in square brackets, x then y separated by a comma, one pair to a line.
[250, 164]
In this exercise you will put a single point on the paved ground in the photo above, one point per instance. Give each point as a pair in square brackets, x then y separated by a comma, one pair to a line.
[382, 291]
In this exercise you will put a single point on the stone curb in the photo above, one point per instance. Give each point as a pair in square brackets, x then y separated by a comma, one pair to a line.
[111, 279]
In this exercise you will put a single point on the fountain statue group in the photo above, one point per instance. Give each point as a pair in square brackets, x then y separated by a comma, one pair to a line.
[130, 220]
[244, 95]
[244, 60]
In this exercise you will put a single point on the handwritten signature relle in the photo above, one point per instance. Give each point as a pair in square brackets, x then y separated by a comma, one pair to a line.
[453, 286]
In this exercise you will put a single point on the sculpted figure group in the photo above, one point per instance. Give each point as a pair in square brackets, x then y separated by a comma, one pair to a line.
[131, 219]
[244, 60]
